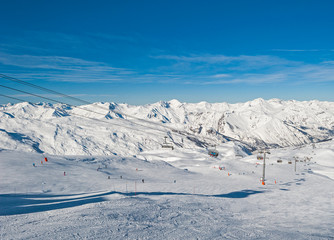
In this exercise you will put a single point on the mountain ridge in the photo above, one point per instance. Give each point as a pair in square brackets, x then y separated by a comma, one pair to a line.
[112, 128]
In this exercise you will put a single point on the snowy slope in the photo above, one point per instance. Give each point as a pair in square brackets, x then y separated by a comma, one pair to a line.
[105, 198]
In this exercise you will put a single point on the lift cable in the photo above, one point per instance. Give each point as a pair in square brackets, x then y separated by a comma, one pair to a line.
[78, 115]
[50, 99]
[181, 132]
[17, 99]
[88, 103]
[42, 88]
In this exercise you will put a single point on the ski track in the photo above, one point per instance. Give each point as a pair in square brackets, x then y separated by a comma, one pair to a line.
[203, 203]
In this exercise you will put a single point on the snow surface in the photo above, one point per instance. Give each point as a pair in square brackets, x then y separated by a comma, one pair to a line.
[110, 179]
[105, 198]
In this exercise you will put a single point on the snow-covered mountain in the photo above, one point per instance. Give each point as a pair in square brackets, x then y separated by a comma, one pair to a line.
[160, 193]
[110, 128]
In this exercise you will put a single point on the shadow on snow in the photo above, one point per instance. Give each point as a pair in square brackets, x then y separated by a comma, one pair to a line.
[12, 204]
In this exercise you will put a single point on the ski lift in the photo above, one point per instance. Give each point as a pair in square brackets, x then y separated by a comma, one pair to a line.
[167, 145]
[259, 156]
[213, 152]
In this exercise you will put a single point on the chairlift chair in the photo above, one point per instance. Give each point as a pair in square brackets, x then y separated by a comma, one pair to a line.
[167, 145]
[259, 156]
[213, 152]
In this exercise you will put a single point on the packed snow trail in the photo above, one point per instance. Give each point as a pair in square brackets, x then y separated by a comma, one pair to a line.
[184, 196]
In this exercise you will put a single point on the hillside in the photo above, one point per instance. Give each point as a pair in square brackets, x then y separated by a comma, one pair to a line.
[110, 128]
[180, 194]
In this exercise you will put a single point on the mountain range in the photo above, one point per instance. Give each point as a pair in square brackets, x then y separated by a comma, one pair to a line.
[122, 129]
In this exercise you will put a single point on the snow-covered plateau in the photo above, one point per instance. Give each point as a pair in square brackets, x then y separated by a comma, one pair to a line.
[108, 177]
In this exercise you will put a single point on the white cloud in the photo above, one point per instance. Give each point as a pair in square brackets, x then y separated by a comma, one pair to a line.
[296, 50]
[213, 59]
[221, 75]
[261, 69]
[52, 62]
[60, 68]
[192, 69]
[219, 63]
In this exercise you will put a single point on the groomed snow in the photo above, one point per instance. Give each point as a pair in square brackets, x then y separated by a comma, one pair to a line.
[184, 195]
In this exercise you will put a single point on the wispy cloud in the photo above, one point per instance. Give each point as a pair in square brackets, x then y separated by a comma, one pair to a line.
[41, 42]
[237, 63]
[214, 59]
[172, 69]
[243, 69]
[52, 62]
[55, 56]
[249, 79]
[221, 75]
[297, 50]
[60, 68]
[113, 37]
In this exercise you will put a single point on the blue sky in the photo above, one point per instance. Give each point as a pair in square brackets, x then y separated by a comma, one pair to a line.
[141, 52]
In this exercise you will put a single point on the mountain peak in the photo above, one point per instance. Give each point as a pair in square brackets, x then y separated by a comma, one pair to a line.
[175, 102]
